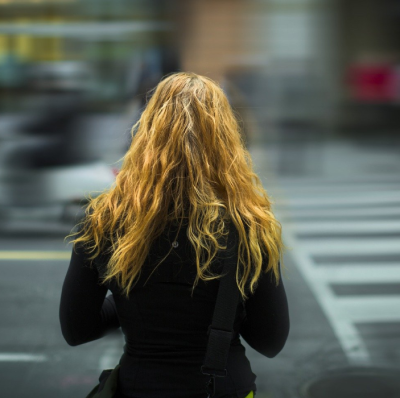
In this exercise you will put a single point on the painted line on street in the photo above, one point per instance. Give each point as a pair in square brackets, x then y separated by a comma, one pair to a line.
[356, 264]
[353, 246]
[328, 188]
[35, 255]
[370, 178]
[345, 331]
[358, 274]
[13, 357]
[366, 212]
[354, 227]
[371, 309]
[380, 198]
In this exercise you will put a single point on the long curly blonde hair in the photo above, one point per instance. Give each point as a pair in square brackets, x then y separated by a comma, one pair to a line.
[187, 161]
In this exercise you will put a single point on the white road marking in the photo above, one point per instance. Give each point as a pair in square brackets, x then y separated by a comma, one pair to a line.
[34, 255]
[327, 188]
[354, 227]
[342, 200]
[369, 308]
[310, 181]
[347, 246]
[13, 357]
[356, 264]
[357, 274]
[314, 198]
[340, 212]
[347, 334]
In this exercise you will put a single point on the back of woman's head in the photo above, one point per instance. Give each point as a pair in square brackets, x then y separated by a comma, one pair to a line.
[186, 164]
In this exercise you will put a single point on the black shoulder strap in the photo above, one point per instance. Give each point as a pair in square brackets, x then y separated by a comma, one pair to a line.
[221, 328]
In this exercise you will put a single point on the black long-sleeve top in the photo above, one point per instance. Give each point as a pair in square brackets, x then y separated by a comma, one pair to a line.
[165, 323]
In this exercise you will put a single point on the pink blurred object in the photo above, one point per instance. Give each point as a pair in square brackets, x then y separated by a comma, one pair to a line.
[373, 83]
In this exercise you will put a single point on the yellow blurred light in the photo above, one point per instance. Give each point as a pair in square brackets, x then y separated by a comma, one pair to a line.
[34, 255]
[13, 2]
[3, 45]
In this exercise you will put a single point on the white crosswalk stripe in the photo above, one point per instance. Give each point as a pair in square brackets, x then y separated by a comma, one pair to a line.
[351, 273]
[353, 246]
[393, 211]
[355, 227]
[370, 308]
[329, 228]
[21, 357]
[359, 198]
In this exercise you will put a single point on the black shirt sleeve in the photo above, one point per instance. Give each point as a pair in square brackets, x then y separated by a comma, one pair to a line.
[266, 326]
[86, 314]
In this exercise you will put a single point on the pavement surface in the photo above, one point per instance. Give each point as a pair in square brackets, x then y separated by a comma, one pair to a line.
[339, 205]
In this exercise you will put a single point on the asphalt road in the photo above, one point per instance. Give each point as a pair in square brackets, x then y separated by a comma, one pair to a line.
[342, 279]
[36, 361]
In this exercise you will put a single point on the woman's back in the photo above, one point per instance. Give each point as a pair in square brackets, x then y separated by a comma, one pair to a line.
[187, 162]
[165, 323]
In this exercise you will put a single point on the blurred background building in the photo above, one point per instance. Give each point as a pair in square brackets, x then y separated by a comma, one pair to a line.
[317, 66]
[74, 76]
